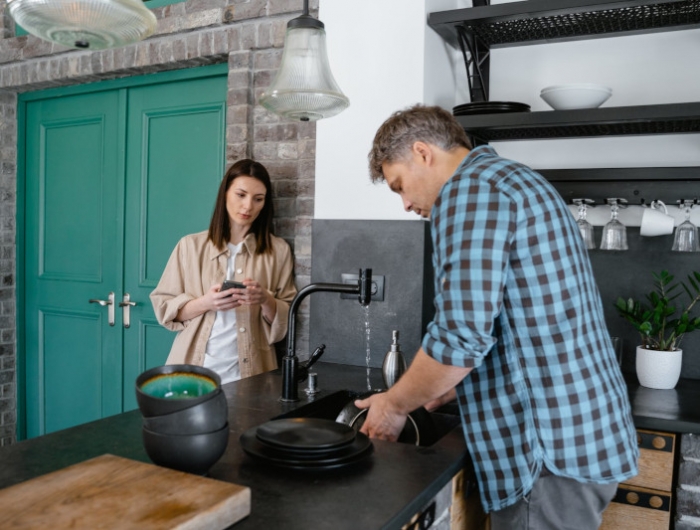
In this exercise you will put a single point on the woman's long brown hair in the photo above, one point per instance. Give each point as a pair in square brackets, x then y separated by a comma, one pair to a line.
[220, 225]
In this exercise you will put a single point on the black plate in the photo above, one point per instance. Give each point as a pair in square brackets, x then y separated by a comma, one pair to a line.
[358, 450]
[489, 107]
[304, 454]
[487, 104]
[305, 433]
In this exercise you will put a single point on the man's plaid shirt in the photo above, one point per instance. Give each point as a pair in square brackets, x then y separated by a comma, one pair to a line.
[517, 301]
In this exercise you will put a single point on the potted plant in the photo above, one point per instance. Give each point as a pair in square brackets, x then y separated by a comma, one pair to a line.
[659, 356]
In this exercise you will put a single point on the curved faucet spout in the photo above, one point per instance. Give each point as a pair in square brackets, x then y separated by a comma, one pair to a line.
[290, 362]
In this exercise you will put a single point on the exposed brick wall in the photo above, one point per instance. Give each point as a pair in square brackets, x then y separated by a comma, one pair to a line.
[688, 492]
[246, 34]
[8, 185]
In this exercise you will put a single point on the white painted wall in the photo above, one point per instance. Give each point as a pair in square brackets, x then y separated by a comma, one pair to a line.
[377, 50]
[385, 57]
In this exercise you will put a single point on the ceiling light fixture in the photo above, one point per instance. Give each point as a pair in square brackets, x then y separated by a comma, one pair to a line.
[304, 88]
[85, 24]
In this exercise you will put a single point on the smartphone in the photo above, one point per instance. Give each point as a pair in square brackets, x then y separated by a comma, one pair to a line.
[230, 284]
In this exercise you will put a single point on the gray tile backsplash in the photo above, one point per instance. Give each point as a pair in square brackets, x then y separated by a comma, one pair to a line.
[399, 251]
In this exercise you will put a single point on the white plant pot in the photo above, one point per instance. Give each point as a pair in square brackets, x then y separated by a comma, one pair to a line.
[658, 369]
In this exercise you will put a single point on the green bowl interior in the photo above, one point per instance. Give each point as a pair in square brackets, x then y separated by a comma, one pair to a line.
[178, 385]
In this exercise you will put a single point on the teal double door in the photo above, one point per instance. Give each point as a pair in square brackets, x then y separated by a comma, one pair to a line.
[113, 177]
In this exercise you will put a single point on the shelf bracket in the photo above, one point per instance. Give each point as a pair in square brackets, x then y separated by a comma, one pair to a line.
[476, 54]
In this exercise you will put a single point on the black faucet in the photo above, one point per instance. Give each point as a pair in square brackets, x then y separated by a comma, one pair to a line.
[290, 362]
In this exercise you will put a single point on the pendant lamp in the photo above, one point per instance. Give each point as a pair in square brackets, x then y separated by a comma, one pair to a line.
[86, 24]
[304, 88]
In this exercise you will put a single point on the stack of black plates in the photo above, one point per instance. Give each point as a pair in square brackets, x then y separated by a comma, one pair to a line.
[489, 107]
[306, 443]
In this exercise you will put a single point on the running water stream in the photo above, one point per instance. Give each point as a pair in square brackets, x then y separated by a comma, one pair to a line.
[367, 347]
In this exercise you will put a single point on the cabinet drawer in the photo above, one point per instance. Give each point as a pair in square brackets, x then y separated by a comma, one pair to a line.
[656, 454]
[634, 508]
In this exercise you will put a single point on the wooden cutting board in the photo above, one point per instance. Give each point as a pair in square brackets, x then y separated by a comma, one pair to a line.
[114, 492]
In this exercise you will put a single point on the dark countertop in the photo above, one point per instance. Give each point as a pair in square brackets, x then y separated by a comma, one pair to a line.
[676, 410]
[384, 491]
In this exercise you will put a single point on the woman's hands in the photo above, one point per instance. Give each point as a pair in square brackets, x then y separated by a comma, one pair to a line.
[216, 300]
[254, 294]
[213, 300]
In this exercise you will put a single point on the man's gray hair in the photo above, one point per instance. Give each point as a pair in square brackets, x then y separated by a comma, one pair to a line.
[419, 123]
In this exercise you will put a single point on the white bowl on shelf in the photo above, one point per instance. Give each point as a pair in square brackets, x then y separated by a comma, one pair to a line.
[577, 96]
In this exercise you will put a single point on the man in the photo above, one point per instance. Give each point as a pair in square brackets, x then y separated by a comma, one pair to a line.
[518, 337]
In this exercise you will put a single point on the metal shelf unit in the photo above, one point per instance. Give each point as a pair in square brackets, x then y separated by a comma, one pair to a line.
[478, 29]
[683, 174]
[545, 21]
[639, 185]
[673, 118]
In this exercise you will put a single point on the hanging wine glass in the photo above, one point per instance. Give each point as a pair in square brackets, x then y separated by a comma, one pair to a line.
[686, 236]
[614, 233]
[584, 226]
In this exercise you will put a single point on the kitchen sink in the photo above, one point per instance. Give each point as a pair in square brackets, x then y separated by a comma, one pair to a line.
[329, 407]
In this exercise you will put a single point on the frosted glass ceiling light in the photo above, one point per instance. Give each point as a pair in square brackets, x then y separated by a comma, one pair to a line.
[86, 24]
[304, 88]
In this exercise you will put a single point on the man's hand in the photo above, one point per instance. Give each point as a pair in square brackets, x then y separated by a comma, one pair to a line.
[384, 421]
[425, 381]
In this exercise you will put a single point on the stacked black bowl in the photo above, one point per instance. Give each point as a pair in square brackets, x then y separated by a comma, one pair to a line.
[185, 416]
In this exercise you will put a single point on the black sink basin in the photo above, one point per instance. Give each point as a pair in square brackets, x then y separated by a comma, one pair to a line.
[329, 407]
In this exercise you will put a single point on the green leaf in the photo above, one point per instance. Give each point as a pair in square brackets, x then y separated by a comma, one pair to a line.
[655, 323]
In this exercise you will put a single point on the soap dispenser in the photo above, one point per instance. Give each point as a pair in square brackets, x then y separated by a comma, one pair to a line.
[394, 364]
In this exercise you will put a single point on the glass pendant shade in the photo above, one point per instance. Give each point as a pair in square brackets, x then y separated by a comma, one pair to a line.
[86, 24]
[304, 88]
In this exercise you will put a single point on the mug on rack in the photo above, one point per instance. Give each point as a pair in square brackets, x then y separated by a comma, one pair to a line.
[656, 222]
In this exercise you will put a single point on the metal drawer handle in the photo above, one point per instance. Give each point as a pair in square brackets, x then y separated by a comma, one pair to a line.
[110, 306]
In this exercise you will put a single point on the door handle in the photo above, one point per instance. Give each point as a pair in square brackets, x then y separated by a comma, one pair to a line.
[110, 306]
[126, 305]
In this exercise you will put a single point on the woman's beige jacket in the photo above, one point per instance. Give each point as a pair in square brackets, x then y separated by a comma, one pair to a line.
[194, 266]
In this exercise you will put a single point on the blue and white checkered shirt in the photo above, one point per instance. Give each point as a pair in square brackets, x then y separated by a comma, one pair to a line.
[517, 301]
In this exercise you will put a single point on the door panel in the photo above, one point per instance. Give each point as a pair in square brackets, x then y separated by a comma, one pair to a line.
[69, 213]
[176, 139]
[73, 382]
[71, 185]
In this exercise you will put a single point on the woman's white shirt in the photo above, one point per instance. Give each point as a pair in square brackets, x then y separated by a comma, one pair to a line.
[222, 346]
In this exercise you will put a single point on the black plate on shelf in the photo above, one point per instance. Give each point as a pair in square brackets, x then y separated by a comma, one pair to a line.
[489, 107]
[305, 434]
[358, 450]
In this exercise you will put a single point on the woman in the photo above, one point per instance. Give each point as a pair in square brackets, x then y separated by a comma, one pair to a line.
[231, 331]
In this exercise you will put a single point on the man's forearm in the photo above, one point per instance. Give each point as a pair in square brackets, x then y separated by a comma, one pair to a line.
[425, 380]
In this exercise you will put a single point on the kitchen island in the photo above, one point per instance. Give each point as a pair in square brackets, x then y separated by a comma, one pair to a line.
[396, 482]
[384, 491]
